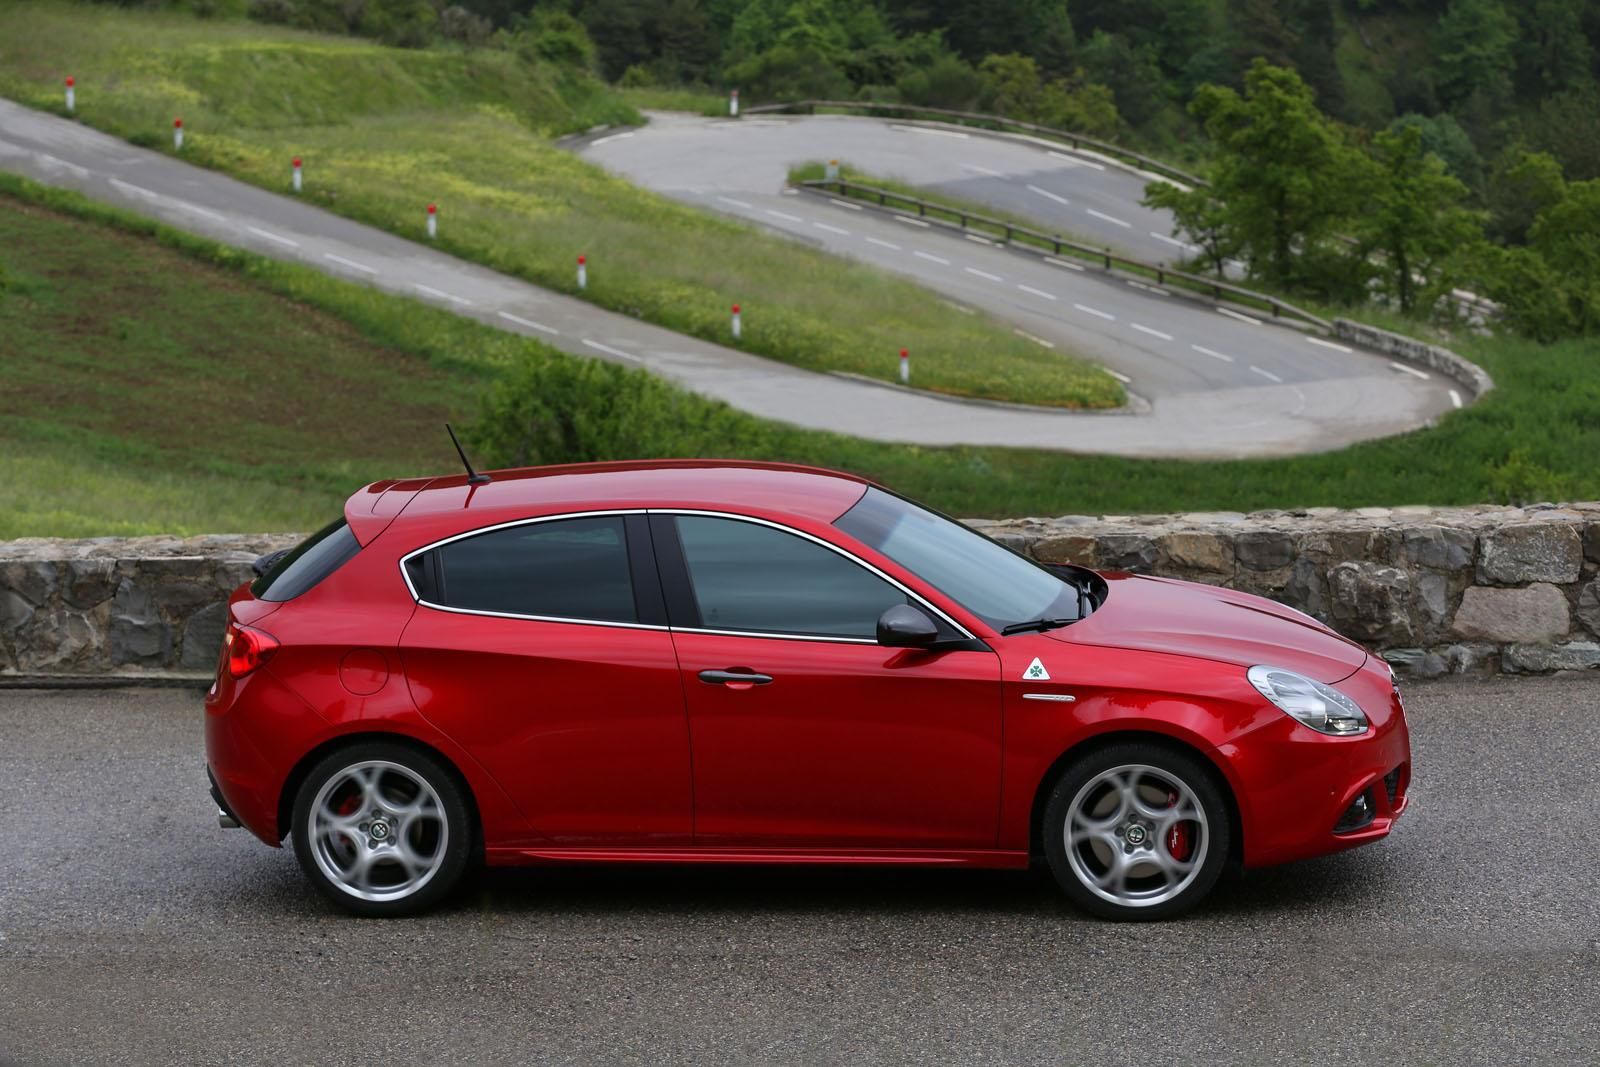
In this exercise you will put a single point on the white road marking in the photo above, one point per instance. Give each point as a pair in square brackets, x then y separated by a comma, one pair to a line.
[736, 203]
[1147, 288]
[910, 221]
[1236, 315]
[608, 350]
[983, 274]
[269, 235]
[1048, 195]
[82, 172]
[352, 264]
[980, 170]
[203, 212]
[529, 323]
[1036, 292]
[1123, 378]
[1170, 240]
[1109, 218]
[784, 216]
[1268, 375]
[845, 203]
[974, 238]
[930, 257]
[1327, 344]
[1063, 263]
[924, 129]
[1455, 398]
[1036, 340]
[1152, 333]
[1414, 372]
[883, 244]
[136, 190]
[1078, 160]
[1096, 311]
[1204, 351]
[441, 294]
[612, 137]
[831, 229]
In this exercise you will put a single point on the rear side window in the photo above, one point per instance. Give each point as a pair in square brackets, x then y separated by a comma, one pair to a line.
[308, 563]
[567, 569]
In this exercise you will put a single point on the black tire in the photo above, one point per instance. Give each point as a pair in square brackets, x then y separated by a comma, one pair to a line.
[1167, 887]
[438, 832]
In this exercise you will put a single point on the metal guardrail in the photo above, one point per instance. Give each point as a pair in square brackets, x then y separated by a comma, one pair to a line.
[1016, 234]
[986, 121]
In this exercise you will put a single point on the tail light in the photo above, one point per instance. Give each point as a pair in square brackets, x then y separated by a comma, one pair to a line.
[246, 648]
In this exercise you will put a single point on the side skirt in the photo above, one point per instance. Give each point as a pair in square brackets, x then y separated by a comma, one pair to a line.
[991, 859]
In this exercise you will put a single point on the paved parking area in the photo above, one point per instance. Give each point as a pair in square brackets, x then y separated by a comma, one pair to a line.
[133, 931]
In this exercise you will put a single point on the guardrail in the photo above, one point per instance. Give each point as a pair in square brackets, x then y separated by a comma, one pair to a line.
[1015, 234]
[986, 121]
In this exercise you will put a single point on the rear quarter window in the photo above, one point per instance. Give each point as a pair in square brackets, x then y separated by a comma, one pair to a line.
[308, 563]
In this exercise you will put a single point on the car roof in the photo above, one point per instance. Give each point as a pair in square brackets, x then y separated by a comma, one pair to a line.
[710, 484]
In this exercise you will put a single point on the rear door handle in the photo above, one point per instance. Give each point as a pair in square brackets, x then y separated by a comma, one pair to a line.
[734, 678]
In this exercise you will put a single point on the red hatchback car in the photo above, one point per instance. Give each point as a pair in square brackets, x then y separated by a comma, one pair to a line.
[720, 662]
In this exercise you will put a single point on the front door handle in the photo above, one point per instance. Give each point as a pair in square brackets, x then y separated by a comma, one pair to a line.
[735, 678]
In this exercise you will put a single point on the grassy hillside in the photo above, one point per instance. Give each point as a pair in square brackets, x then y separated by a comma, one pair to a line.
[383, 132]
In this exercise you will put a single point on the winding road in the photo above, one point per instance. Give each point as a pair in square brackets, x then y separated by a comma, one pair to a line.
[1217, 386]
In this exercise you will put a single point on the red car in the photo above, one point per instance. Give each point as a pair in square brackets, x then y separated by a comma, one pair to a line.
[722, 662]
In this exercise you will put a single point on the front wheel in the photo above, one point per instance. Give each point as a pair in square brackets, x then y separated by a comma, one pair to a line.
[1136, 831]
[381, 829]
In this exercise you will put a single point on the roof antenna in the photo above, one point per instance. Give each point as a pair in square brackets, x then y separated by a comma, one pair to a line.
[473, 477]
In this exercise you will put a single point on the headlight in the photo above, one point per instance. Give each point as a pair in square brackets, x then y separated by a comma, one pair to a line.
[1321, 707]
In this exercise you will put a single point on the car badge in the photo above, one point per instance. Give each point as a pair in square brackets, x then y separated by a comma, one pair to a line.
[1036, 672]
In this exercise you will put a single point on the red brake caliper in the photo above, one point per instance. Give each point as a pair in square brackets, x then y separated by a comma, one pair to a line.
[1178, 840]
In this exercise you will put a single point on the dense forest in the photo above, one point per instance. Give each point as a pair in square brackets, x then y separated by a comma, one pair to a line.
[1356, 146]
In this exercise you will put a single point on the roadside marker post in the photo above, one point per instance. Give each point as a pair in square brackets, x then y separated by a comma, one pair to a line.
[296, 178]
[905, 367]
[433, 220]
[583, 272]
[832, 172]
[72, 95]
[177, 134]
[736, 322]
[733, 103]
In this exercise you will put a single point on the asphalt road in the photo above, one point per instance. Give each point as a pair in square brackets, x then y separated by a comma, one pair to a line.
[132, 930]
[1289, 403]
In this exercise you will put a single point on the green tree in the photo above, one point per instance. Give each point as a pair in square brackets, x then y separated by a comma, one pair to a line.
[1443, 136]
[1414, 219]
[1521, 185]
[1567, 126]
[1200, 217]
[1553, 54]
[1132, 75]
[1474, 49]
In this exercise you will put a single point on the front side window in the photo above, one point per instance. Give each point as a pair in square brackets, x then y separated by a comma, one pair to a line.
[749, 577]
[566, 569]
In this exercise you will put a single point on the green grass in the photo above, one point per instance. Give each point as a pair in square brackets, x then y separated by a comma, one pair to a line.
[384, 132]
[657, 98]
[193, 436]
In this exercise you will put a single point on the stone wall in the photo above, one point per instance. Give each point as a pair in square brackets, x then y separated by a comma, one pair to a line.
[1446, 362]
[1435, 590]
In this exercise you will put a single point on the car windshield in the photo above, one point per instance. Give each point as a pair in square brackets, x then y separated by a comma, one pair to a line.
[981, 575]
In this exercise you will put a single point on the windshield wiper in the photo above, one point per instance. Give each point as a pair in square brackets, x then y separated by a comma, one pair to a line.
[1035, 624]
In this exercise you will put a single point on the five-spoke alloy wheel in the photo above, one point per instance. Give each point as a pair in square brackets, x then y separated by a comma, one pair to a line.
[381, 828]
[1136, 831]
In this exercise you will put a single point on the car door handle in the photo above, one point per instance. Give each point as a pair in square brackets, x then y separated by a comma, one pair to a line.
[734, 678]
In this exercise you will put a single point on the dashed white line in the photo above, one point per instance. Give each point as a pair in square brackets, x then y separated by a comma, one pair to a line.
[910, 221]
[845, 203]
[612, 137]
[1152, 333]
[975, 239]
[203, 212]
[1048, 195]
[137, 190]
[736, 203]
[352, 264]
[441, 294]
[1063, 263]
[930, 257]
[1109, 218]
[1455, 398]
[923, 129]
[608, 350]
[1268, 375]
[983, 274]
[1123, 378]
[1036, 340]
[1327, 344]
[269, 235]
[1236, 315]
[980, 170]
[883, 244]
[1414, 372]
[1078, 160]
[1170, 240]
[1204, 351]
[82, 172]
[529, 323]
[831, 229]
[1095, 311]
[1036, 292]
[784, 215]
[1147, 288]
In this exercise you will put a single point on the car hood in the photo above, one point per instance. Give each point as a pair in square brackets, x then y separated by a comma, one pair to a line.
[1189, 619]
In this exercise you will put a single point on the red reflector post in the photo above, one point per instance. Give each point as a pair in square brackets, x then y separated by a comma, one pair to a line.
[247, 649]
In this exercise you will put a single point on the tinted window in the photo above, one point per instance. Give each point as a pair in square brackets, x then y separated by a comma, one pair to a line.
[307, 563]
[570, 569]
[751, 577]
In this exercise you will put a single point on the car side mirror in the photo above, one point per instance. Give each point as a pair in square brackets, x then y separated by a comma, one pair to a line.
[903, 626]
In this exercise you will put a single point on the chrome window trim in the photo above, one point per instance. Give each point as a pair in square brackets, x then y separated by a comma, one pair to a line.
[405, 576]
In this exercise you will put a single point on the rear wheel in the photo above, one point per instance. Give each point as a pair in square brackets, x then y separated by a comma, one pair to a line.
[1136, 831]
[381, 829]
